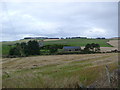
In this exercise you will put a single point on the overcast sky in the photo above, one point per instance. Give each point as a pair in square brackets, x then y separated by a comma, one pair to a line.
[58, 19]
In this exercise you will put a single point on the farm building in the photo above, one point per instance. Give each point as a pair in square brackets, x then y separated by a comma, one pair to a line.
[71, 48]
[40, 43]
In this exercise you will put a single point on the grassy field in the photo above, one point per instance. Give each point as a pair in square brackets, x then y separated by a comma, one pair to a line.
[5, 49]
[56, 71]
[80, 42]
[71, 42]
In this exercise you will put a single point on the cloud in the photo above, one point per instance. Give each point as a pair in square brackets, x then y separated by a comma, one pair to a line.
[53, 19]
[96, 32]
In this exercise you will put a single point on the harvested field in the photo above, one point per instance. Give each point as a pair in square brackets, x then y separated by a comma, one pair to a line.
[58, 71]
[51, 39]
[105, 49]
[114, 43]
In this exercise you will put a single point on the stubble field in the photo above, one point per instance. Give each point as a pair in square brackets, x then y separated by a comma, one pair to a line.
[56, 71]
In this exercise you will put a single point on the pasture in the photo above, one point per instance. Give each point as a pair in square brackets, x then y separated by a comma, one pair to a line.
[71, 42]
[56, 71]
[79, 42]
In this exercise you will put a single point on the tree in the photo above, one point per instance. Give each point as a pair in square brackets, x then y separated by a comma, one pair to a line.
[92, 48]
[33, 48]
[25, 49]
[14, 51]
[87, 48]
[97, 47]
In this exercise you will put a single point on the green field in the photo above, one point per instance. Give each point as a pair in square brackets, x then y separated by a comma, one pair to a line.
[71, 42]
[5, 49]
[79, 42]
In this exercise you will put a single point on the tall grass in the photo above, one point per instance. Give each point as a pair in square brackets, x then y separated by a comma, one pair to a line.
[50, 78]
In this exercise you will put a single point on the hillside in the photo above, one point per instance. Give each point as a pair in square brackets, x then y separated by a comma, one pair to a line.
[60, 71]
[71, 42]
[79, 42]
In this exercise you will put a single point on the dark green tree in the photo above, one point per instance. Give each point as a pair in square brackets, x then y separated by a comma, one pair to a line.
[87, 48]
[97, 48]
[14, 51]
[33, 48]
[25, 49]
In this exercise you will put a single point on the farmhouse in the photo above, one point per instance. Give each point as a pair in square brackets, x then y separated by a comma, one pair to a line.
[71, 48]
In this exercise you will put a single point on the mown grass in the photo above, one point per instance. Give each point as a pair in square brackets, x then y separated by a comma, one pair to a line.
[93, 59]
[63, 75]
[61, 79]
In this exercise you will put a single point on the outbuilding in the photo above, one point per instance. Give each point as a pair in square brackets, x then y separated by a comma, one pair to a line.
[71, 48]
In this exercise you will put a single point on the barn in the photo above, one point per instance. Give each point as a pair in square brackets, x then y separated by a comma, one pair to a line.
[71, 48]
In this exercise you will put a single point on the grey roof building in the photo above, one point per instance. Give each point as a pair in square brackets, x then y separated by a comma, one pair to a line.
[71, 48]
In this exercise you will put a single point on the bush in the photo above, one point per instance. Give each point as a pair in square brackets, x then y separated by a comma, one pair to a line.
[33, 48]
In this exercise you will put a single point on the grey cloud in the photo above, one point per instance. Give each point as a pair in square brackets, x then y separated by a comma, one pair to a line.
[59, 19]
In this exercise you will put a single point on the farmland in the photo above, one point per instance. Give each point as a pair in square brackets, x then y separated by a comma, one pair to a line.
[58, 71]
[79, 42]
[71, 42]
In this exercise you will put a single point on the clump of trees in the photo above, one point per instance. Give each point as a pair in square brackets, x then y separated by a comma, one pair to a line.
[92, 48]
[52, 48]
[25, 49]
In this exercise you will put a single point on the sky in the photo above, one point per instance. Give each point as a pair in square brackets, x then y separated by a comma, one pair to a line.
[58, 19]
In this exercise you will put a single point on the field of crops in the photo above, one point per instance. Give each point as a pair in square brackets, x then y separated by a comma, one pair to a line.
[56, 71]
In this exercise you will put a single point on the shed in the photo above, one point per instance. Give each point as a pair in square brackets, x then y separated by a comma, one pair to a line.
[71, 48]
